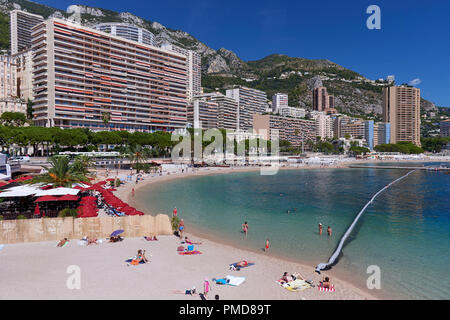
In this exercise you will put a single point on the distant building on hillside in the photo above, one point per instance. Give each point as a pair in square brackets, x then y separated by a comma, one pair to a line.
[127, 31]
[296, 131]
[279, 100]
[21, 23]
[250, 102]
[445, 128]
[401, 108]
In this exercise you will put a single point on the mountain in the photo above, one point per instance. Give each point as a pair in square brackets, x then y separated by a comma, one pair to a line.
[355, 95]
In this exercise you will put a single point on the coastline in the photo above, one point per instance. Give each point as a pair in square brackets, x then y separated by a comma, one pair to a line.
[355, 291]
[307, 269]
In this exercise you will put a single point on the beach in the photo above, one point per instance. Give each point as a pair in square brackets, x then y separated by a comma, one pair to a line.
[39, 271]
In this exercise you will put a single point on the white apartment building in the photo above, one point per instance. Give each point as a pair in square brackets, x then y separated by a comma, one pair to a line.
[324, 124]
[21, 23]
[279, 100]
[250, 101]
[127, 31]
[227, 109]
[8, 74]
[292, 112]
[24, 74]
[12, 105]
[194, 66]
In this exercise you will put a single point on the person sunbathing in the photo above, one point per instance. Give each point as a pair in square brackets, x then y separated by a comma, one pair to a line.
[286, 277]
[62, 242]
[141, 256]
[188, 241]
[151, 238]
[91, 240]
[242, 263]
[189, 292]
[326, 283]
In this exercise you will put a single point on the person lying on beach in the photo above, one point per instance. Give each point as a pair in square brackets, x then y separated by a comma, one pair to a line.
[188, 241]
[62, 242]
[151, 238]
[91, 240]
[190, 292]
[115, 238]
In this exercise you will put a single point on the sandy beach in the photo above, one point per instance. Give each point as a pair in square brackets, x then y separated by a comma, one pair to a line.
[39, 271]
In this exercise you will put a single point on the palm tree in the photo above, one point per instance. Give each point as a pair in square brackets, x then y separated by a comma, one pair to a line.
[137, 157]
[106, 117]
[61, 173]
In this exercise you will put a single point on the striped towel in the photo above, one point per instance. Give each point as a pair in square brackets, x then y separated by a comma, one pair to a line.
[326, 289]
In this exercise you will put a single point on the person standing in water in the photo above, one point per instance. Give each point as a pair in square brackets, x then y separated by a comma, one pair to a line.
[329, 231]
[181, 227]
[175, 211]
[245, 228]
[320, 229]
[266, 248]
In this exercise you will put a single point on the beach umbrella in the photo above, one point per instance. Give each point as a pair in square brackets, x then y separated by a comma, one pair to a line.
[116, 233]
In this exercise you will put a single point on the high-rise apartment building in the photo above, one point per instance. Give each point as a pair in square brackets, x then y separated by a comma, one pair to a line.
[24, 76]
[127, 31]
[360, 130]
[445, 128]
[194, 65]
[227, 109]
[21, 23]
[87, 78]
[382, 133]
[8, 77]
[324, 124]
[203, 113]
[250, 102]
[401, 108]
[279, 100]
[292, 112]
[320, 99]
[296, 131]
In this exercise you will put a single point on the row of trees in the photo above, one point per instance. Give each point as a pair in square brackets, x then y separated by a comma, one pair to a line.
[402, 147]
[50, 141]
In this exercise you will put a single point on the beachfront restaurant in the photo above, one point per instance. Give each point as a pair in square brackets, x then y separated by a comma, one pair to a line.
[36, 201]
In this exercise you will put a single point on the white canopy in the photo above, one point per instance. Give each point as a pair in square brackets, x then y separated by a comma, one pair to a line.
[19, 191]
[57, 192]
[24, 191]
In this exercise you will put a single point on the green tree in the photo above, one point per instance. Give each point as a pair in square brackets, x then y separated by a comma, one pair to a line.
[61, 173]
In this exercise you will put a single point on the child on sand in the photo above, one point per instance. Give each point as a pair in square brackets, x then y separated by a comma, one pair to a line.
[206, 287]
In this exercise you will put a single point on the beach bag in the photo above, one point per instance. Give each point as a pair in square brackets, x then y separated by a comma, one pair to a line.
[190, 247]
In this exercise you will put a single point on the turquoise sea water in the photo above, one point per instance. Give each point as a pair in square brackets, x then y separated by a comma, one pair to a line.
[406, 231]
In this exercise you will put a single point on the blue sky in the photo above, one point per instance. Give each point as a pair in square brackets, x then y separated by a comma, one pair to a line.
[413, 43]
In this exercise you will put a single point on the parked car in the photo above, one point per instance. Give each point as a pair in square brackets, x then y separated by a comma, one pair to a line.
[20, 159]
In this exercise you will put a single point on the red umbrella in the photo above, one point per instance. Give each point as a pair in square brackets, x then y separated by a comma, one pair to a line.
[36, 210]
[68, 197]
[46, 198]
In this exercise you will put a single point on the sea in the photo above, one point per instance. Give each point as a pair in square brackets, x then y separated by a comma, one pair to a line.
[403, 238]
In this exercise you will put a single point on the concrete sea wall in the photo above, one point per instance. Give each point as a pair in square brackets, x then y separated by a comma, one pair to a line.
[48, 229]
